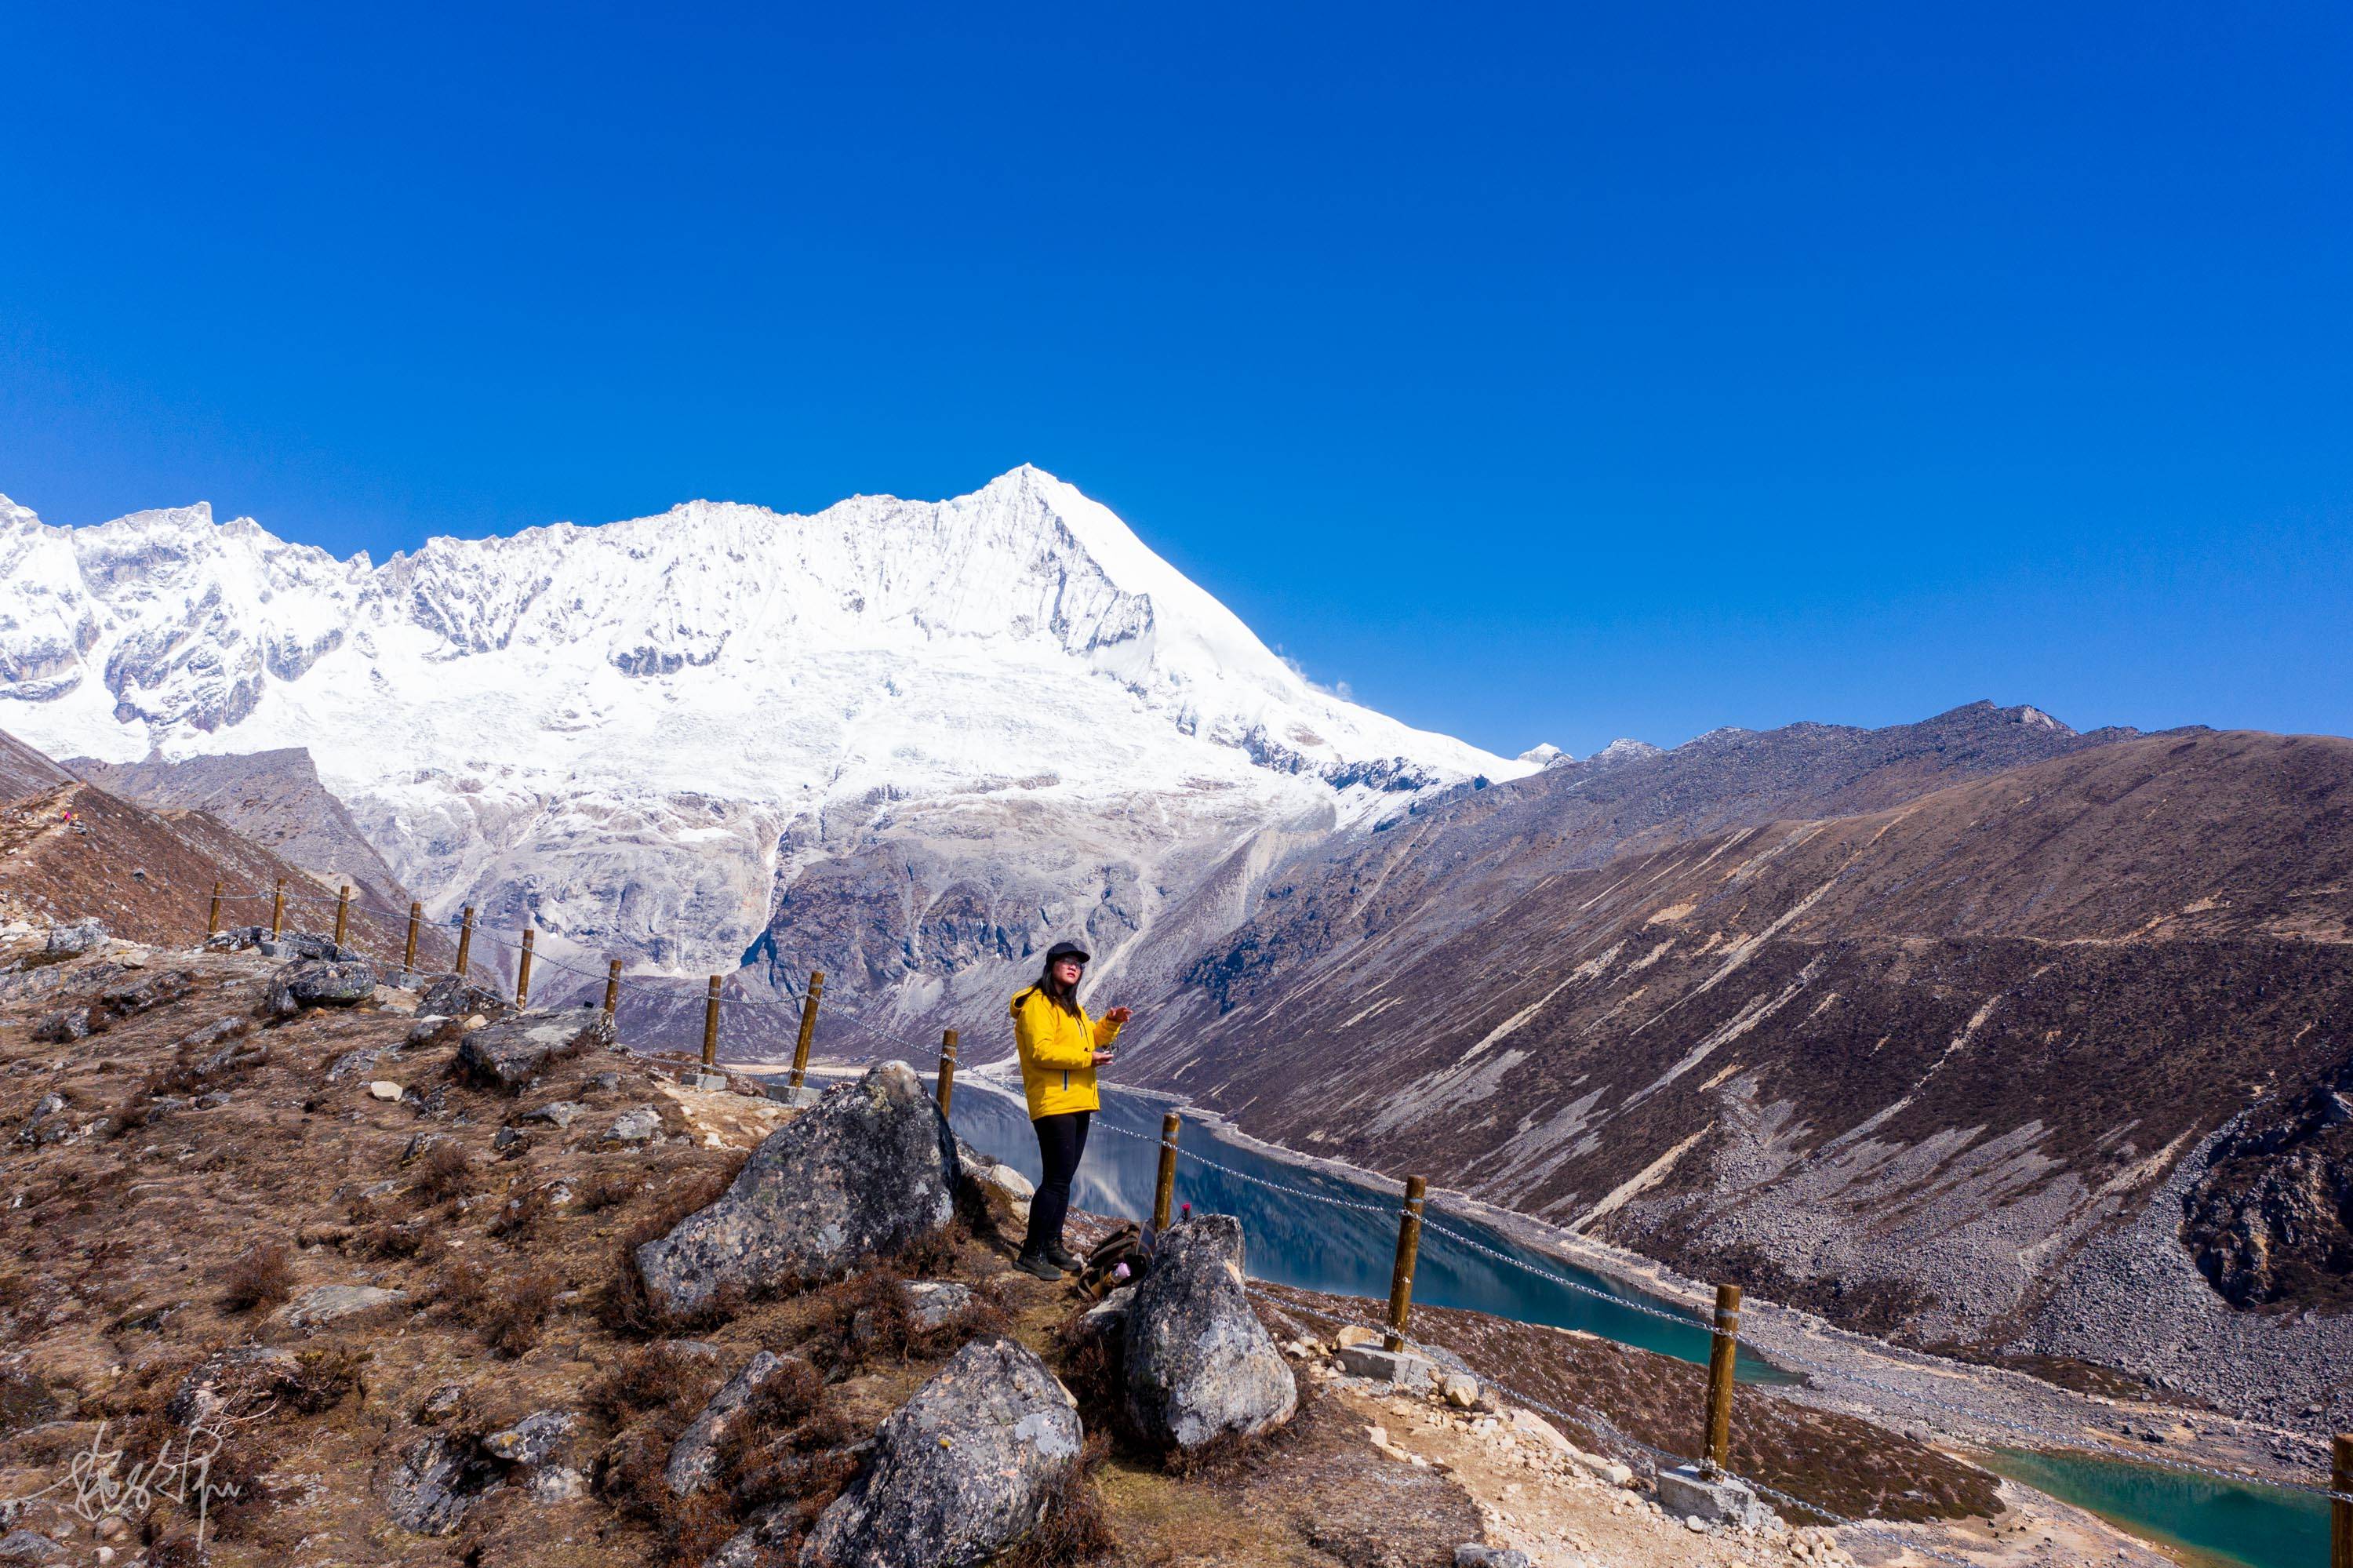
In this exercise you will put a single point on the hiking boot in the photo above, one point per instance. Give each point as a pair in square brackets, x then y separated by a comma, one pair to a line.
[1060, 1258]
[1031, 1264]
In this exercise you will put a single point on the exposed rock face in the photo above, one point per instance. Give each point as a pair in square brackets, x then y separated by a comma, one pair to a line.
[509, 1053]
[2270, 1219]
[79, 937]
[534, 1440]
[869, 1169]
[435, 1482]
[694, 1458]
[322, 982]
[331, 1303]
[1199, 1364]
[961, 1471]
[230, 1382]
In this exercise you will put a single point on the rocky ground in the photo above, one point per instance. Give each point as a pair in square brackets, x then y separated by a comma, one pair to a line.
[392, 1264]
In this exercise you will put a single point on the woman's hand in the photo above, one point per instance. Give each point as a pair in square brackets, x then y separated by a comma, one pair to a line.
[1118, 1015]
[1102, 1057]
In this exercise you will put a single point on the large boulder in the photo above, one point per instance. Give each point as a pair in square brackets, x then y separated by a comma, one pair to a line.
[1199, 1364]
[321, 983]
[450, 997]
[509, 1053]
[78, 937]
[961, 1471]
[868, 1169]
[694, 1458]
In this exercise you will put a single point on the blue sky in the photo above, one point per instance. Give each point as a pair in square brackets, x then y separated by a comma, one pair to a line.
[1544, 373]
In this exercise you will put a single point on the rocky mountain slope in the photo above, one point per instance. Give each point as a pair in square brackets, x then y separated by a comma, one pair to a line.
[1904, 1064]
[274, 798]
[898, 741]
[369, 1305]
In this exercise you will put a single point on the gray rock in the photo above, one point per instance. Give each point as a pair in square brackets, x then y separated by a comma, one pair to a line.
[426, 1029]
[303, 945]
[435, 1482]
[642, 1125]
[1685, 1493]
[442, 1405]
[1399, 1369]
[1473, 1556]
[450, 997]
[322, 982]
[324, 1304]
[350, 1064]
[932, 1303]
[235, 939]
[605, 1082]
[30, 1546]
[506, 1137]
[511, 1052]
[559, 1112]
[869, 1169]
[555, 1484]
[232, 1382]
[78, 937]
[1199, 1364]
[694, 1458]
[960, 1471]
[534, 1440]
[63, 1027]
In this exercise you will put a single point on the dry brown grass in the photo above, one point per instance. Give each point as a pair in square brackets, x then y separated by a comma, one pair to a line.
[606, 1190]
[512, 1318]
[259, 1277]
[1076, 1527]
[442, 1172]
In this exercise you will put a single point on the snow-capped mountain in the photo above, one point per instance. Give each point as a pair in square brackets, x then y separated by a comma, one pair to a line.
[897, 739]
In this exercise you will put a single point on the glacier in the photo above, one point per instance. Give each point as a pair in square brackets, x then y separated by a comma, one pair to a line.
[904, 741]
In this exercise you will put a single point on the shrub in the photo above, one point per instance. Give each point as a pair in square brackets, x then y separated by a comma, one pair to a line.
[658, 1377]
[511, 1319]
[260, 1277]
[1075, 1528]
[441, 1173]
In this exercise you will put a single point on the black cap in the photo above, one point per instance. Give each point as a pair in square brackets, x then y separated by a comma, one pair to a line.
[1061, 950]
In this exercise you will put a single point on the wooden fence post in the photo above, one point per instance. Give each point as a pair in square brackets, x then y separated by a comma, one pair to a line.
[612, 987]
[1408, 1249]
[947, 1068]
[277, 910]
[465, 940]
[1164, 1190]
[343, 915]
[212, 921]
[522, 969]
[408, 954]
[2341, 1512]
[1724, 1345]
[711, 1026]
[808, 1027]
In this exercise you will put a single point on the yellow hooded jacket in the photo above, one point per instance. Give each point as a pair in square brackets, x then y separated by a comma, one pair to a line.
[1058, 1061]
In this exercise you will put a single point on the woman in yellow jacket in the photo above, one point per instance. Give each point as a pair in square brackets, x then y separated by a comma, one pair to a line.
[1061, 1048]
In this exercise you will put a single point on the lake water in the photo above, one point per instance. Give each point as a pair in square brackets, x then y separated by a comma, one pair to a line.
[2211, 1521]
[1294, 1240]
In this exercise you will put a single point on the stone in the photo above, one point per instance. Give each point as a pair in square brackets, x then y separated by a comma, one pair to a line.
[435, 1482]
[960, 1471]
[450, 997]
[555, 1484]
[534, 1440]
[63, 1027]
[1476, 1556]
[233, 1383]
[351, 1064]
[384, 1089]
[232, 939]
[30, 1546]
[1398, 1369]
[870, 1168]
[428, 1028]
[996, 1177]
[1199, 1364]
[712, 1082]
[1356, 1334]
[303, 945]
[76, 936]
[324, 1304]
[559, 1112]
[442, 1405]
[506, 1137]
[605, 1082]
[1685, 1493]
[1459, 1389]
[1543, 1433]
[322, 982]
[509, 1053]
[642, 1125]
[694, 1461]
[933, 1303]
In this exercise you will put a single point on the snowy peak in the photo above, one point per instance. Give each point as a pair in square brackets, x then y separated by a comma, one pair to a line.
[161, 627]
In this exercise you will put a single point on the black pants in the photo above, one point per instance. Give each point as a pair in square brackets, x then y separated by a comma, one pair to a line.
[1062, 1139]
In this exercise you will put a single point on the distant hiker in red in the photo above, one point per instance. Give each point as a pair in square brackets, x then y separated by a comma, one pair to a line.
[1061, 1047]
